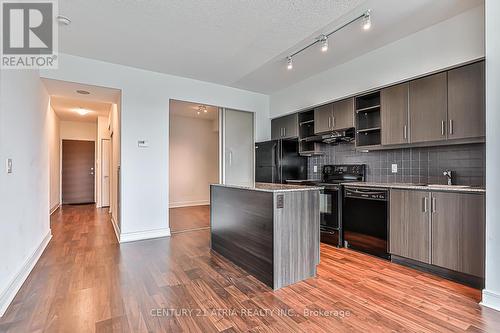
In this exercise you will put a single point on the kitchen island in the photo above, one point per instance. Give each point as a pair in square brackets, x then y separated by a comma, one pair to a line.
[269, 230]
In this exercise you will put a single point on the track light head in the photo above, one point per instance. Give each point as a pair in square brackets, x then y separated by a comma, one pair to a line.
[367, 21]
[289, 63]
[324, 43]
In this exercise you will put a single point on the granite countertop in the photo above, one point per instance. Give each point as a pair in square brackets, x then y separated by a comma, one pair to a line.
[409, 186]
[270, 187]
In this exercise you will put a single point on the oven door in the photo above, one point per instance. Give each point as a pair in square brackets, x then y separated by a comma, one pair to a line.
[330, 216]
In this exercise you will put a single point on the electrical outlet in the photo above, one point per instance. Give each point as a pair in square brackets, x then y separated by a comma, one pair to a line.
[315, 168]
[394, 168]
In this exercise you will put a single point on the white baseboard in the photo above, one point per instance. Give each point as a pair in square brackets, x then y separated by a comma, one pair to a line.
[189, 203]
[10, 292]
[116, 228]
[142, 235]
[491, 300]
[53, 209]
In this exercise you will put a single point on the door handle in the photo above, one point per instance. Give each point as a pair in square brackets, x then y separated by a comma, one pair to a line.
[284, 131]
[451, 126]
[405, 132]
[333, 121]
[425, 204]
[230, 158]
[433, 205]
[91, 173]
[443, 124]
[329, 122]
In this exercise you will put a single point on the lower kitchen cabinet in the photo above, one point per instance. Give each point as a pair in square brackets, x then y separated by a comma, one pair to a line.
[458, 232]
[445, 229]
[410, 225]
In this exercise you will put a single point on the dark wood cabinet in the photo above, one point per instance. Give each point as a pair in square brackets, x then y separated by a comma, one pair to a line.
[394, 114]
[334, 116]
[445, 229]
[409, 224]
[323, 118]
[428, 108]
[343, 114]
[458, 232]
[466, 102]
[286, 127]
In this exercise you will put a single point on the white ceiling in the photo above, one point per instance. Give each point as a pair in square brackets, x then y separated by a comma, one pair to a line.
[239, 43]
[191, 110]
[67, 109]
[66, 101]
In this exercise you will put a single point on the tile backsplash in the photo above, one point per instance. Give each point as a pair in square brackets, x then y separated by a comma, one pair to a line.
[414, 165]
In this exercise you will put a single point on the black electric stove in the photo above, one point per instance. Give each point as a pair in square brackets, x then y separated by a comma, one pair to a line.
[332, 176]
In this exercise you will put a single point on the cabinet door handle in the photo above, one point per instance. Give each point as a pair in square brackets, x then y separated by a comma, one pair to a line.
[405, 132]
[451, 126]
[433, 208]
[425, 204]
[329, 122]
[333, 121]
[442, 127]
[284, 131]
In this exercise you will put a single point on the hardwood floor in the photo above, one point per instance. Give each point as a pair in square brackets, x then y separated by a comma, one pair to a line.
[189, 218]
[86, 282]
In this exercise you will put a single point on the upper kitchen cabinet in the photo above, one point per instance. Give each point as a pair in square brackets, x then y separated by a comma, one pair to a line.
[286, 127]
[428, 108]
[466, 102]
[394, 114]
[334, 116]
[323, 118]
[343, 114]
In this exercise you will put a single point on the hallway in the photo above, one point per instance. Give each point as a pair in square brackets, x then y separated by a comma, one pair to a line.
[86, 282]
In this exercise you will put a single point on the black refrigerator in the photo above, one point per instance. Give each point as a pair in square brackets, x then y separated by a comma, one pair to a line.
[277, 161]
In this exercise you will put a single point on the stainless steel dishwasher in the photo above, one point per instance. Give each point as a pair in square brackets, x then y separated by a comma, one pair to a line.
[365, 217]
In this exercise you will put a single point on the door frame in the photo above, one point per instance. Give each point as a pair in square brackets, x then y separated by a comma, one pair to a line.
[109, 171]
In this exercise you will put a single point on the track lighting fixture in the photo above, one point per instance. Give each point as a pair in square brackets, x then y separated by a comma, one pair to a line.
[366, 23]
[324, 43]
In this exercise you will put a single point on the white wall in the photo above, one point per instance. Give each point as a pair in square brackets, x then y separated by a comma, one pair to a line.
[491, 293]
[24, 194]
[448, 43]
[102, 133]
[54, 133]
[194, 160]
[75, 130]
[144, 116]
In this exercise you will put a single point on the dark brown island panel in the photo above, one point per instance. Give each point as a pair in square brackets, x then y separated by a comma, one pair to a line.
[269, 230]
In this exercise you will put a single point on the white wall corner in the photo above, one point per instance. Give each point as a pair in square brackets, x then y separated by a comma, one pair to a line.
[16, 283]
[143, 235]
[491, 300]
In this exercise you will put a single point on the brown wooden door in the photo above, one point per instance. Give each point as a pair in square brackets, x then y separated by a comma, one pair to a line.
[409, 224]
[394, 114]
[466, 102]
[428, 108]
[458, 232]
[78, 169]
[343, 114]
[323, 118]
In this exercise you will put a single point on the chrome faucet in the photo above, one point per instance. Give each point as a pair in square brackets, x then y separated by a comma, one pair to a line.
[449, 175]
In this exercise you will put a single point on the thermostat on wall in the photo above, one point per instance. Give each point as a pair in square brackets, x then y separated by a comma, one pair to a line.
[142, 144]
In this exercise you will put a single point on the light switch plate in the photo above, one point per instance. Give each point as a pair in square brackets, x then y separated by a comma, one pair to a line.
[8, 165]
[394, 168]
[315, 168]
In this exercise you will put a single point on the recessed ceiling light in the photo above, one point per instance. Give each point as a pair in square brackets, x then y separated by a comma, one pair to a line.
[367, 21]
[82, 111]
[82, 92]
[324, 43]
[289, 63]
[63, 20]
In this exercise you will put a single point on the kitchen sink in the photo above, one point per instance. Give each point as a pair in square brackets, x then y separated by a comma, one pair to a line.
[447, 186]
